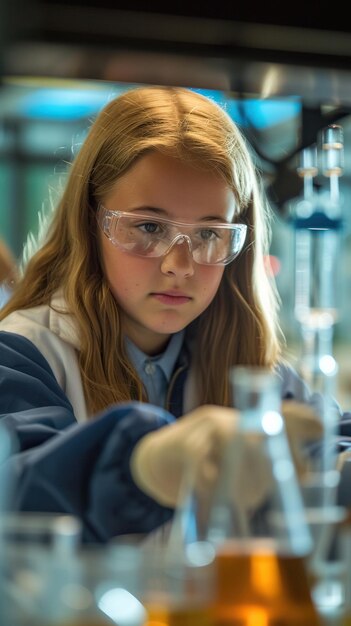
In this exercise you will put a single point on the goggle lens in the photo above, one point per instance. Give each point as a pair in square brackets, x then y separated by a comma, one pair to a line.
[209, 243]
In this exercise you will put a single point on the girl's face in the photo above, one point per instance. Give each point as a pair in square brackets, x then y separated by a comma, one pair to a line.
[159, 296]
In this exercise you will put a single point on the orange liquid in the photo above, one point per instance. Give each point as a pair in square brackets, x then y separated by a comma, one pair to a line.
[262, 589]
[178, 616]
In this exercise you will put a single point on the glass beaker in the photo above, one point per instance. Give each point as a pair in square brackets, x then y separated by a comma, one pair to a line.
[257, 522]
[32, 546]
[178, 586]
[51, 579]
[111, 580]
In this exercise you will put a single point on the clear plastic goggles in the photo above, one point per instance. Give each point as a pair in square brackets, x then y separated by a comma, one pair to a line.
[144, 235]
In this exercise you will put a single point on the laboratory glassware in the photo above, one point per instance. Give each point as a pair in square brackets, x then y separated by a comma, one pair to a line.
[255, 516]
[318, 227]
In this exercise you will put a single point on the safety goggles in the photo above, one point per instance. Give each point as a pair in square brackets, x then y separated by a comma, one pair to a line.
[144, 235]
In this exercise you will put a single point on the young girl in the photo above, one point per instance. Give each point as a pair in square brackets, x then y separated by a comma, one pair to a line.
[150, 285]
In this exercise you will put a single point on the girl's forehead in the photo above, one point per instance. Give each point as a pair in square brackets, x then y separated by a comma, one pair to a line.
[173, 194]
[156, 174]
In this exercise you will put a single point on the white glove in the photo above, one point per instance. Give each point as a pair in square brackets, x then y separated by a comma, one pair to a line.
[194, 442]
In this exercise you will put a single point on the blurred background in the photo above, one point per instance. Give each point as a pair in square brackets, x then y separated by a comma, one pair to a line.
[282, 77]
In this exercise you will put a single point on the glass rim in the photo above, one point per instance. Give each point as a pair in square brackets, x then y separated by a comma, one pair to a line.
[156, 218]
[31, 521]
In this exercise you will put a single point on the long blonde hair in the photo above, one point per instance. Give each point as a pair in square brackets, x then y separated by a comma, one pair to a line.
[240, 325]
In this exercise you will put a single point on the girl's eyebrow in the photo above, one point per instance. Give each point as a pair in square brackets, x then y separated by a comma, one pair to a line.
[152, 209]
[163, 213]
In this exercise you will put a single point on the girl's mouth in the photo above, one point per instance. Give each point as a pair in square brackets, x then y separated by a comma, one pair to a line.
[171, 298]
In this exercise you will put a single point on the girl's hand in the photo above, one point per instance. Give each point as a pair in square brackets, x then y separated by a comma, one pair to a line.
[194, 442]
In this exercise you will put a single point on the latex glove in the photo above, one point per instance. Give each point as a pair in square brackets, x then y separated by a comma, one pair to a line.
[194, 442]
[302, 425]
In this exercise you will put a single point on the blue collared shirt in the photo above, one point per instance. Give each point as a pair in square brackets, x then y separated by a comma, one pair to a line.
[156, 371]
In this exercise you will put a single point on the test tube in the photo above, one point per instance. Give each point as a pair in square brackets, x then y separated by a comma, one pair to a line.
[333, 158]
[308, 169]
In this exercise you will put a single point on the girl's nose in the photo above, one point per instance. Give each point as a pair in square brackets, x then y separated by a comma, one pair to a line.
[178, 259]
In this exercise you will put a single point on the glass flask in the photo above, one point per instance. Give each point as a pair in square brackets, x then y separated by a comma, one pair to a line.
[35, 547]
[178, 586]
[51, 579]
[110, 585]
[255, 521]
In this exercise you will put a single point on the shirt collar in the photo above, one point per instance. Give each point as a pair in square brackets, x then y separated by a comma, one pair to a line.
[166, 360]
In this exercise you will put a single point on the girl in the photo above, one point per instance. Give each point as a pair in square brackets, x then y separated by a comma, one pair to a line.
[149, 286]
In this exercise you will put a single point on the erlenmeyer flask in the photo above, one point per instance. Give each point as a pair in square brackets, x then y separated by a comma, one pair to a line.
[255, 520]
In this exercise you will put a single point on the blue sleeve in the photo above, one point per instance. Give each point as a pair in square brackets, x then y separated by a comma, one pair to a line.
[62, 466]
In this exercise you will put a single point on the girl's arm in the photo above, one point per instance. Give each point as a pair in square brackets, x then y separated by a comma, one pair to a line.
[62, 466]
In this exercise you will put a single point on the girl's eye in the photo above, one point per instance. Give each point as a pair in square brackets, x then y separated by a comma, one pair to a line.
[209, 234]
[149, 227]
